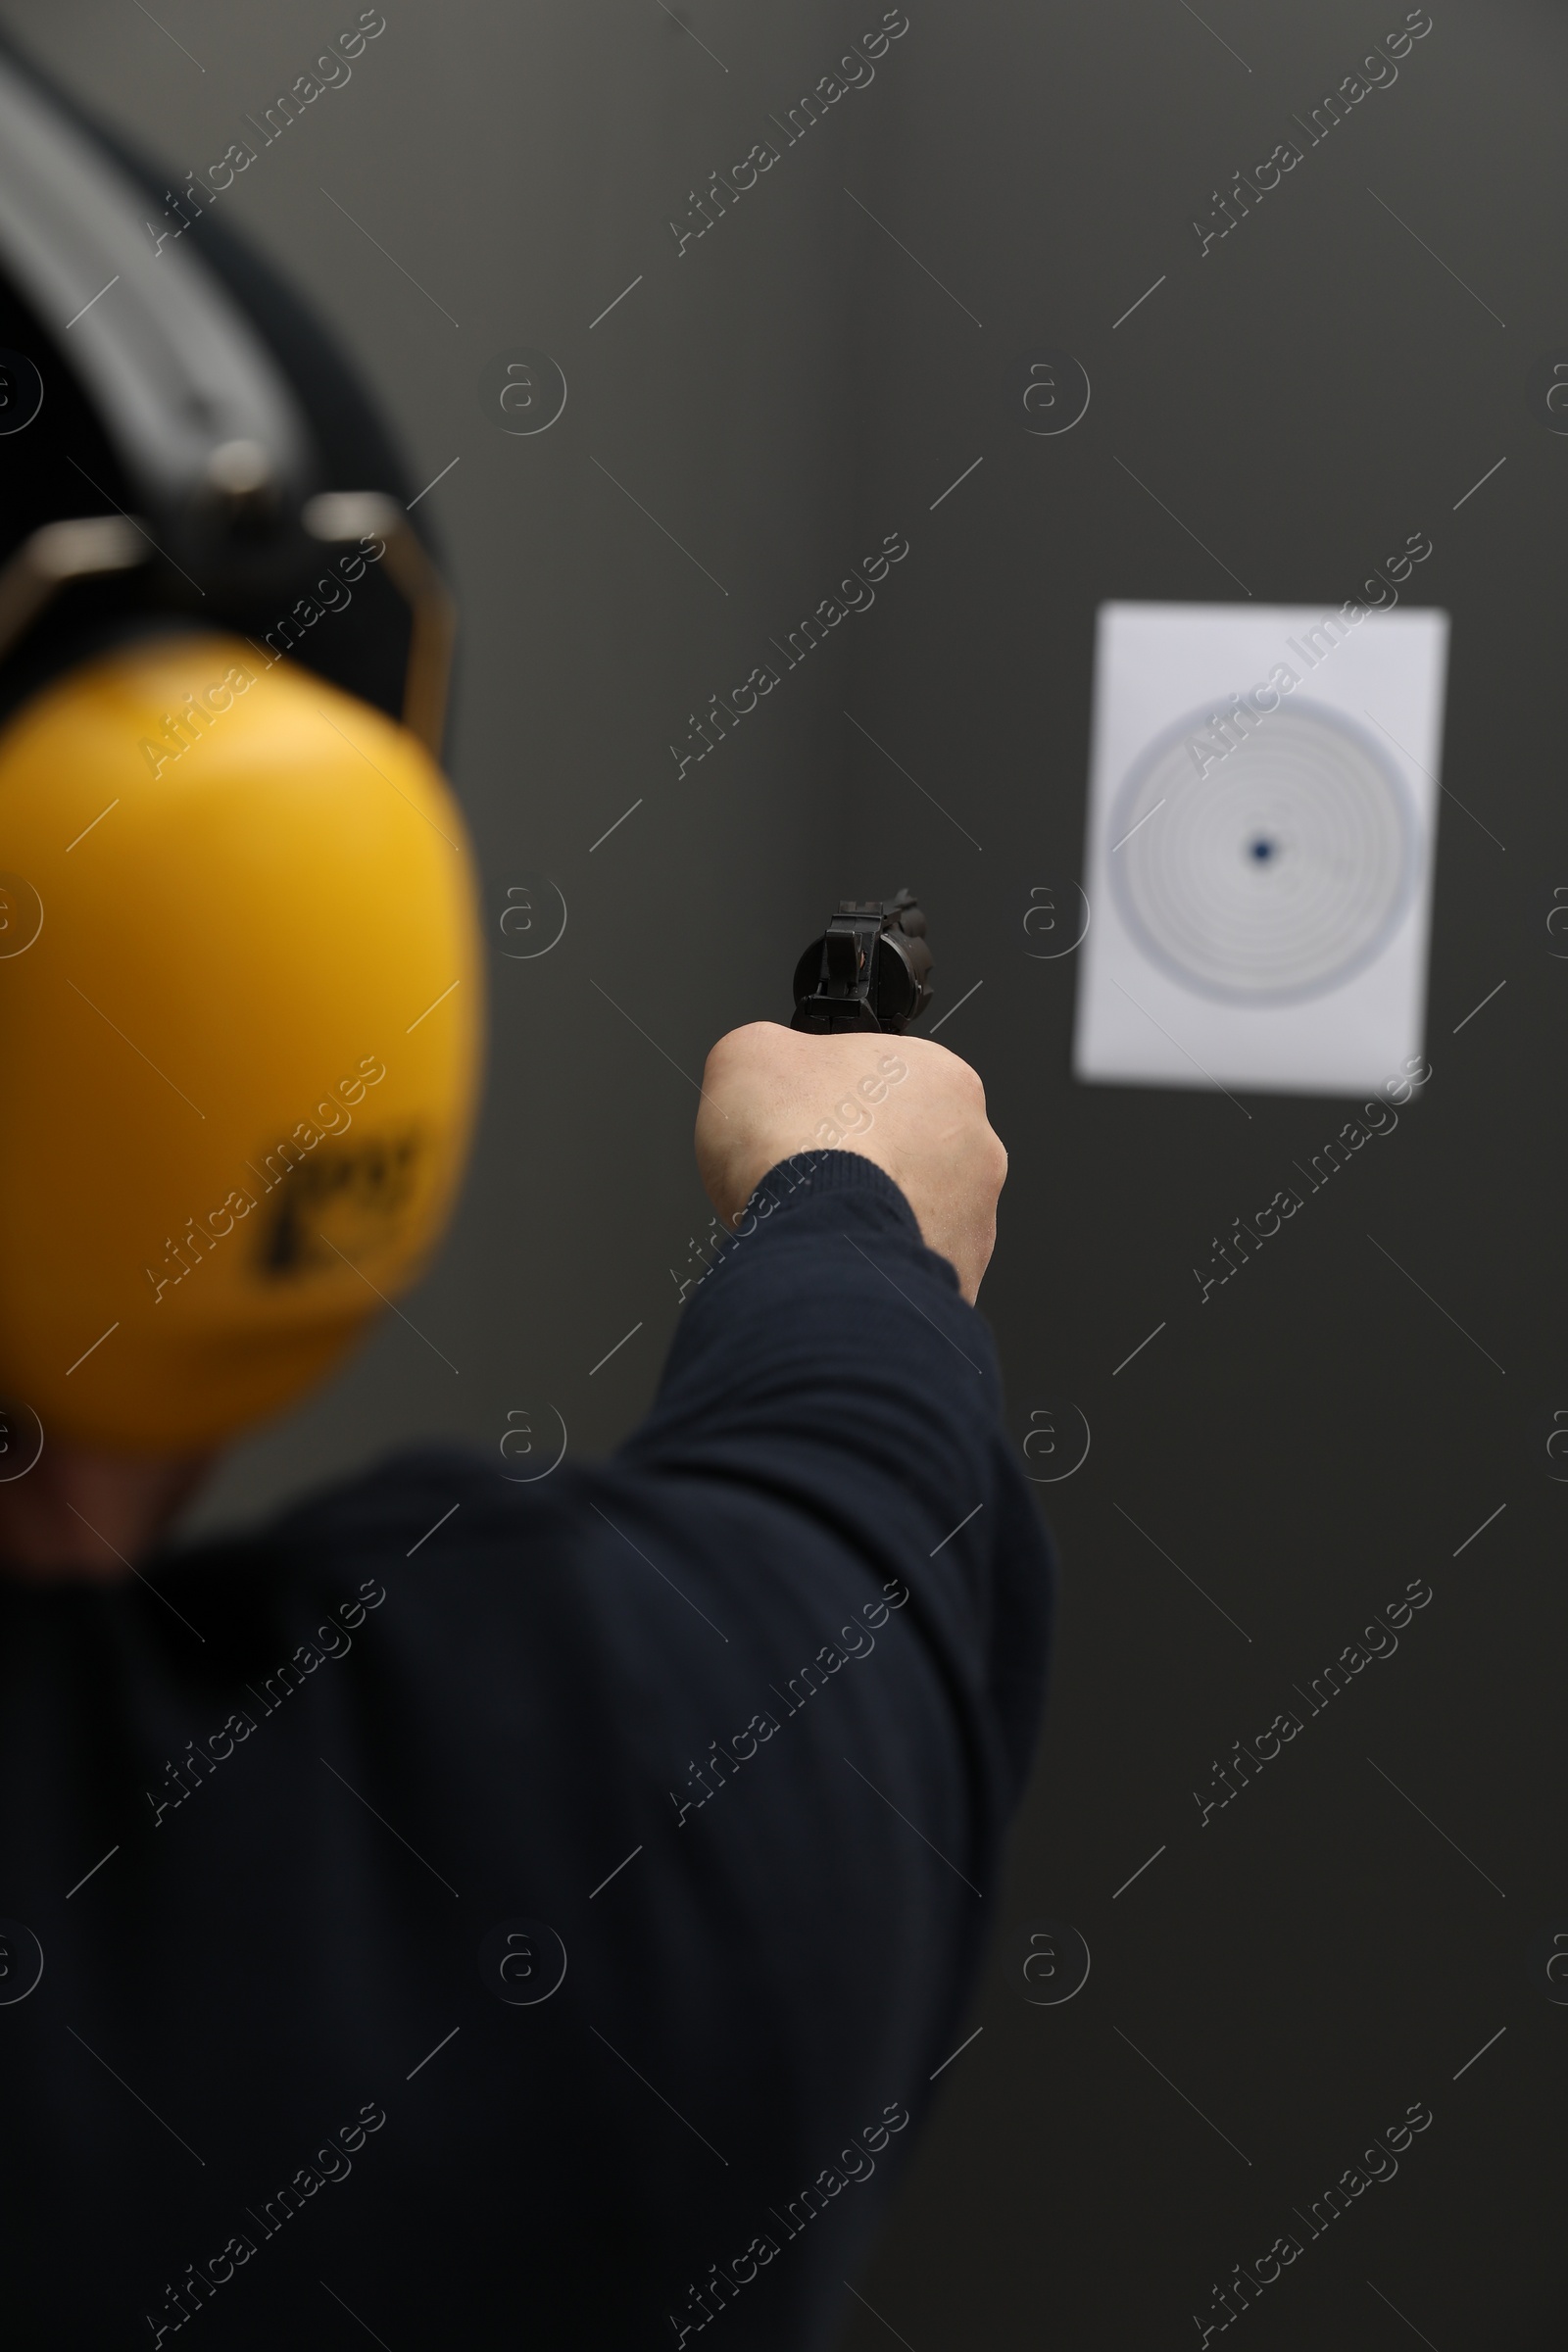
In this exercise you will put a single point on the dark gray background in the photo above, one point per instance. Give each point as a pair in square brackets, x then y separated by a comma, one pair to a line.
[794, 386]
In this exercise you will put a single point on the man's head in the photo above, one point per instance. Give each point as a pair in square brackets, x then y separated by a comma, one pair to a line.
[240, 1028]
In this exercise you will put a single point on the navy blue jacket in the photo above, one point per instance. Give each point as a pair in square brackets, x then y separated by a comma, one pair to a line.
[530, 1913]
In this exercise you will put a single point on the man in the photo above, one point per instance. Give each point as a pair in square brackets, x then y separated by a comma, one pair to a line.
[467, 1911]
[534, 1913]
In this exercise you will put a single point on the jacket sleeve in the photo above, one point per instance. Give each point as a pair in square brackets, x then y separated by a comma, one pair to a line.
[863, 1617]
[829, 1371]
[742, 1714]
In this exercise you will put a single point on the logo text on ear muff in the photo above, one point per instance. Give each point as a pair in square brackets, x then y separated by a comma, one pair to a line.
[347, 1200]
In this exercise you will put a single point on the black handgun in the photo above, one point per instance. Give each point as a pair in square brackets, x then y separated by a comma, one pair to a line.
[870, 970]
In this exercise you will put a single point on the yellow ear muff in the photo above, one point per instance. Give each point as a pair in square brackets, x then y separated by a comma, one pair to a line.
[240, 1036]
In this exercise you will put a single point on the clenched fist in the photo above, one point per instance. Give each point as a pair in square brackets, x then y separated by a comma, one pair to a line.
[911, 1106]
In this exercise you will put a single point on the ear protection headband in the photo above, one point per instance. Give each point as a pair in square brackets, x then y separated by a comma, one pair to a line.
[232, 487]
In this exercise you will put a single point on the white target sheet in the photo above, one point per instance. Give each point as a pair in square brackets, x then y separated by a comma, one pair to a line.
[1263, 829]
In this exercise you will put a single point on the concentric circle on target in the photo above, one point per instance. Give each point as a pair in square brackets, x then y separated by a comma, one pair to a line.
[522, 1962]
[21, 1962]
[1284, 867]
[1054, 1439]
[1047, 1962]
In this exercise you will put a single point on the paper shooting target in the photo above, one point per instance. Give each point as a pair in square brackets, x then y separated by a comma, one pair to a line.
[1272, 877]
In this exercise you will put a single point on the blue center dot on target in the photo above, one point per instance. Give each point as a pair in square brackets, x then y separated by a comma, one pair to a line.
[1262, 848]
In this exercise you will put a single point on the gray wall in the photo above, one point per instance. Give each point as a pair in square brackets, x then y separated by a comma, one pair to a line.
[1282, 1982]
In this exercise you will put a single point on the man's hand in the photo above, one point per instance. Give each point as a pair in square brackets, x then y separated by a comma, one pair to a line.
[769, 1092]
